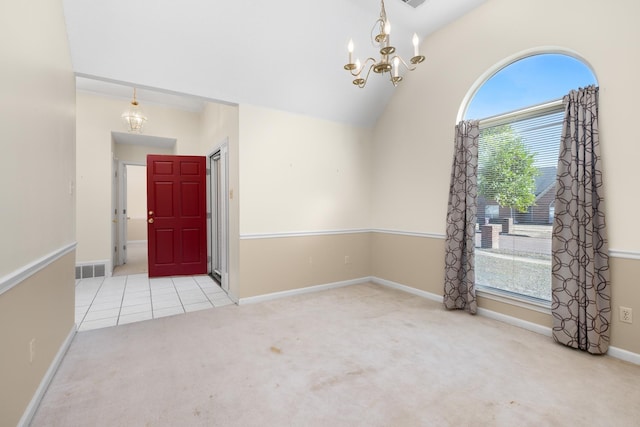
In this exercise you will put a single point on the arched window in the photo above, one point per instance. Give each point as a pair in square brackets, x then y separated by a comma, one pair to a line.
[520, 111]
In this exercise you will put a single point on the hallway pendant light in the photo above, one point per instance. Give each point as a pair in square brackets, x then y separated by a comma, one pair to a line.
[388, 62]
[134, 118]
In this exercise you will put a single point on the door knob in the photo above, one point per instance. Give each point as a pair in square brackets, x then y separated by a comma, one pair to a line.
[150, 212]
[150, 220]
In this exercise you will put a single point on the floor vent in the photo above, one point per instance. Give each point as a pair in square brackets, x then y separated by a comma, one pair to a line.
[413, 3]
[90, 270]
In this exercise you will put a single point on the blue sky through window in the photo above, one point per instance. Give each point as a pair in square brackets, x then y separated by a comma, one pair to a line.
[529, 81]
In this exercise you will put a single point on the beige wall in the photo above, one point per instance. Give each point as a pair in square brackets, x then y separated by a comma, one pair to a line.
[302, 174]
[41, 308]
[626, 292]
[282, 264]
[413, 139]
[37, 105]
[138, 153]
[38, 162]
[408, 260]
[97, 117]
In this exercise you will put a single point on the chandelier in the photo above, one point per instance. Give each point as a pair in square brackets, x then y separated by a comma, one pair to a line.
[387, 63]
[134, 118]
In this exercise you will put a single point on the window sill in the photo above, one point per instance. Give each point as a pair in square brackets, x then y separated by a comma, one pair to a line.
[507, 297]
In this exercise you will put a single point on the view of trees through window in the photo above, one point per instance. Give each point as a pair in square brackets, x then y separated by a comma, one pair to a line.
[518, 152]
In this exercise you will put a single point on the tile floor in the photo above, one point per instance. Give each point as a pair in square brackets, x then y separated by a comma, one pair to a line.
[109, 301]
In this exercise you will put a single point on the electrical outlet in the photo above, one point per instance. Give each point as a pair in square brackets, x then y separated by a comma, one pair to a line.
[347, 260]
[626, 315]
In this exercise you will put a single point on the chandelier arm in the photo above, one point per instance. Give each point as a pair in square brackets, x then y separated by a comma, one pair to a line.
[364, 64]
[359, 80]
[376, 35]
[407, 66]
[366, 79]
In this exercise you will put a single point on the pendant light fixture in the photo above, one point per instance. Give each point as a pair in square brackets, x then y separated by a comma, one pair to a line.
[134, 118]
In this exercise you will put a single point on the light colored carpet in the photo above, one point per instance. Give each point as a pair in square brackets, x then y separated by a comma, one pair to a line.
[362, 355]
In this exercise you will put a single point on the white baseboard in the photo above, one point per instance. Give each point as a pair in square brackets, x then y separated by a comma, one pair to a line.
[48, 376]
[514, 321]
[625, 355]
[408, 289]
[300, 291]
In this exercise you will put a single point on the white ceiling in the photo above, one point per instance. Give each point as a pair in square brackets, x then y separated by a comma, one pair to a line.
[281, 54]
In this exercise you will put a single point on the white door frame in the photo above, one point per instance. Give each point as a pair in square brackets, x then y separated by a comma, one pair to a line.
[220, 227]
[114, 214]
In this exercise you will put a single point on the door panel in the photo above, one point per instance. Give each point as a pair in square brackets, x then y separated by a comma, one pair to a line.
[192, 241]
[176, 202]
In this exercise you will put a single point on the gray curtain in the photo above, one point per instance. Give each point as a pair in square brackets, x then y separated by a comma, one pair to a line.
[459, 282]
[581, 304]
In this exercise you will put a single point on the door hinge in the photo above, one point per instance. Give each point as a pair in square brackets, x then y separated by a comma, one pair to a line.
[124, 247]
[124, 211]
[208, 215]
[209, 258]
[208, 172]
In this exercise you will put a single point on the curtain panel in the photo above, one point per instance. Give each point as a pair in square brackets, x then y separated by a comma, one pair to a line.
[459, 282]
[581, 303]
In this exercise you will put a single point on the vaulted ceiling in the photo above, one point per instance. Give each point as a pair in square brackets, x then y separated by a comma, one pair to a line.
[281, 54]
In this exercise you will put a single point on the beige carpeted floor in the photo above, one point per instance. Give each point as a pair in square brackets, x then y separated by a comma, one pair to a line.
[362, 355]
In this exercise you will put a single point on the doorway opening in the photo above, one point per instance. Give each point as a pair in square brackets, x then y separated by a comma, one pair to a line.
[129, 153]
[131, 221]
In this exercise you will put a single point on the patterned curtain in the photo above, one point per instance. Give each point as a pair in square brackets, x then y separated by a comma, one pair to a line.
[459, 281]
[581, 304]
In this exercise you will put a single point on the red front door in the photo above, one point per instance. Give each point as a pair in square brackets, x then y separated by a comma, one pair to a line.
[176, 215]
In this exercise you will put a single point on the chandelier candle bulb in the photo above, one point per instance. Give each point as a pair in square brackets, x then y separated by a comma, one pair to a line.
[396, 65]
[416, 42]
[387, 32]
[350, 49]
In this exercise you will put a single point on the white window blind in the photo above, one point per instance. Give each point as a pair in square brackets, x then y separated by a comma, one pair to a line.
[518, 155]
